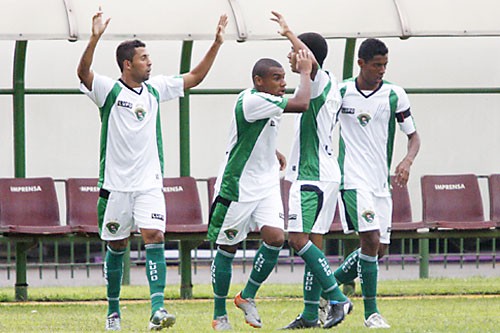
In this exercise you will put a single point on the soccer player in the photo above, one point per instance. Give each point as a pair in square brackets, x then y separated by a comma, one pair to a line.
[370, 109]
[247, 190]
[131, 159]
[314, 172]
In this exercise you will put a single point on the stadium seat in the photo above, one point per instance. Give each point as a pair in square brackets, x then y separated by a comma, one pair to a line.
[453, 202]
[183, 206]
[28, 206]
[494, 194]
[81, 204]
[211, 190]
[402, 219]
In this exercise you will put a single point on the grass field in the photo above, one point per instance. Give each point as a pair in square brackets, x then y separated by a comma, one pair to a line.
[433, 305]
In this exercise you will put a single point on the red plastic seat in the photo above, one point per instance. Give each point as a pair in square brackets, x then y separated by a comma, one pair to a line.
[81, 204]
[211, 189]
[454, 202]
[402, 219]
[494, 194]
[29, 206]
[183, 206]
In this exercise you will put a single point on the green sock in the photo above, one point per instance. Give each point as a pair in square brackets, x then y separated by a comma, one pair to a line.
[318, 264]
[113, 272]
[312, 290]
[368, 275]
[156, 271]
[263, 263]
[221, 279]
[348, 270]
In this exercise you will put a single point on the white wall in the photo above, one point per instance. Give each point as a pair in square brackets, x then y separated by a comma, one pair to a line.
[459, 132]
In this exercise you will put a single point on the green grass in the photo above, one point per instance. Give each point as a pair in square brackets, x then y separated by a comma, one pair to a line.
[432, 305]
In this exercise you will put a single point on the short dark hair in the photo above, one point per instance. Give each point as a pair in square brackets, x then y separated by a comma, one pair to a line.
[262, 66]
[126, 51]
[317, 44]
[370, 48]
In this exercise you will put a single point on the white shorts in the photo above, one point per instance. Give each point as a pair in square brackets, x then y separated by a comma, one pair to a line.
[363, 211]
[120, 212]
[231, 221]
[312, 206]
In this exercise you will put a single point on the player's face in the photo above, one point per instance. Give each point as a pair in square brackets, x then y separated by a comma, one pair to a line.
[141, 65]
[373, 70]
[273, 82]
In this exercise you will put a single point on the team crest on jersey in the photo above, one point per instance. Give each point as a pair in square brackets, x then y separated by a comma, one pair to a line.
[364, 119]
[368, 216]
[140, 112]
[231, 233]
[112, 227]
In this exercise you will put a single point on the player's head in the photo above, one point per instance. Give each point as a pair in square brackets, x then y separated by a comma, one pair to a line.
[133, 58]
[317, 44]
[372, 60]
[269, 76]
[370, 48]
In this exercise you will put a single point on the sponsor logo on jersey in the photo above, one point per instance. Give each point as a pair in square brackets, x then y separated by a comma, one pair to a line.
[140, 112]
[157, 216]
[347, 110]
[368, 216]
[230, 233]
[364, 119]
[112, 227]
[448, 187]
[34, 188]
[124, 104]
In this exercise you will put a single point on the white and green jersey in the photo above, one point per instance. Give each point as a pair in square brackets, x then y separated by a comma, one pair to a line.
[250, 170]
[131, 149]
[311, 157]
[367, 127]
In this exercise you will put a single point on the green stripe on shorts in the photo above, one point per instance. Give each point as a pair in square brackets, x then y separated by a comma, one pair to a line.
[309, 205]
[349, 198]
[217, 216]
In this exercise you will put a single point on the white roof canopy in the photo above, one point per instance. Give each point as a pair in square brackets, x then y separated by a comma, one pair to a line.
[249, 19]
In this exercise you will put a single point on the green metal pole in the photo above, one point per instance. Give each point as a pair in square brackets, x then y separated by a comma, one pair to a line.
[126, 265]
[186, 291]
[18, 105]
[424, 258]
[184, 142]
[21, 288]
[349, 244]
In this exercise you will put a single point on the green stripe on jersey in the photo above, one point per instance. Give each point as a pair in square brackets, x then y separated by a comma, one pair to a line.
[248, 134]
[391, 131]
[341, 157]
[104, 112]
[159, 140]
[309, 139]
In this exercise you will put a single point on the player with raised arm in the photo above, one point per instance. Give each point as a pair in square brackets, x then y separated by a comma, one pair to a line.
[131, 159]
[315, 176]
[247, 190]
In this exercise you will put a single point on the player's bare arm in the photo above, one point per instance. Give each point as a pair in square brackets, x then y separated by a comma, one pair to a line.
[297, 44]
[403, 169]
[84, 72]
[197, 74]
[281, 159]
[300, 102]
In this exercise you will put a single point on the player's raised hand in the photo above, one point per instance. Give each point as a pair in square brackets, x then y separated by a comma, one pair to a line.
[304, 61]
[221, 29]
[98, 26]
[280, 19]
